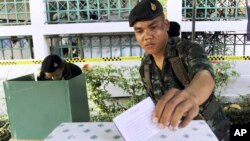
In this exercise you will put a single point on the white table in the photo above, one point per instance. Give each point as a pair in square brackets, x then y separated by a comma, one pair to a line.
[107, 131]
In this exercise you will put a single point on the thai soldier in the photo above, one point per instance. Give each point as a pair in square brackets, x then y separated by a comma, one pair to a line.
[181, 94]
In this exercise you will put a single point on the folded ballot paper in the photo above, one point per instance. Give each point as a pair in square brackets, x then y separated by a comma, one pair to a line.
[136, 124]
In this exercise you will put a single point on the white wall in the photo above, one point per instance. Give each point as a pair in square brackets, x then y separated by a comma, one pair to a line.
[241, 85]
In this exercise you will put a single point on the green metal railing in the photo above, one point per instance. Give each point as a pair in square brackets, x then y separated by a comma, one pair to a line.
[17, 12]
[207, 10]
[94, 46]
[67, 11]
[117, 45]
[111, 45]
[15, 47]
[14, 12]
[220, 43]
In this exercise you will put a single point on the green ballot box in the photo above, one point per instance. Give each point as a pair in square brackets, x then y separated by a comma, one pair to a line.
[35, 108]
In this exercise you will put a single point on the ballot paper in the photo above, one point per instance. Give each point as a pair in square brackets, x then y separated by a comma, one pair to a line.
[136, 124]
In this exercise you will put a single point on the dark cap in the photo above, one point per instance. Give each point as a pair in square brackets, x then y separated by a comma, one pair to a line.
[174, 29]
[51, 63]
[144, 11]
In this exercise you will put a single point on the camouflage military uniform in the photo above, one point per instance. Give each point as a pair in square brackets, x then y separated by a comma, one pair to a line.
[194, 59]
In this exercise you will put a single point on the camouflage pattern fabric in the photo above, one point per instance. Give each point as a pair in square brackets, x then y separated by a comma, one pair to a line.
[194, 59]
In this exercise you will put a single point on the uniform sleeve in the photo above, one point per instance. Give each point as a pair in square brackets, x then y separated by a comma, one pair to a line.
[145, 61]
[41, 76]
[197, 60]
[76, 70]
[71, 70]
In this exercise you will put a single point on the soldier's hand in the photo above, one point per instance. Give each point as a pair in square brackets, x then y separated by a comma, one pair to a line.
[175, 108]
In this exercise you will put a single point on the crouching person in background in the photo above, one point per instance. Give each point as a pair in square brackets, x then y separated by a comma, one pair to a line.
[54, 68]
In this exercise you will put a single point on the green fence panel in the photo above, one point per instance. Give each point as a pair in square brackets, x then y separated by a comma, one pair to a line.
[213, 10]
[14, 12]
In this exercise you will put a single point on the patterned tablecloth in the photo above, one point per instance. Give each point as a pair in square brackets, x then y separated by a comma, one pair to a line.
[107, 131]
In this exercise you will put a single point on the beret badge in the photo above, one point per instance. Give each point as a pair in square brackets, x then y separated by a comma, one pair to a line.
[55, 65]
[153, 6]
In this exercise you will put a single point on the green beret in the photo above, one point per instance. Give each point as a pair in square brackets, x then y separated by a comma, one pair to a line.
[144, 11]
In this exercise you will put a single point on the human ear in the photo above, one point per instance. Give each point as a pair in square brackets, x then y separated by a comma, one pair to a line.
[167, 24]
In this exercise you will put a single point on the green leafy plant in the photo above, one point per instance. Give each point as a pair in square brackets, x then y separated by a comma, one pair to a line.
[239, 117]
[224, 74]
[105, 107]
[5, 134]
[244, 100]
[240, 114]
